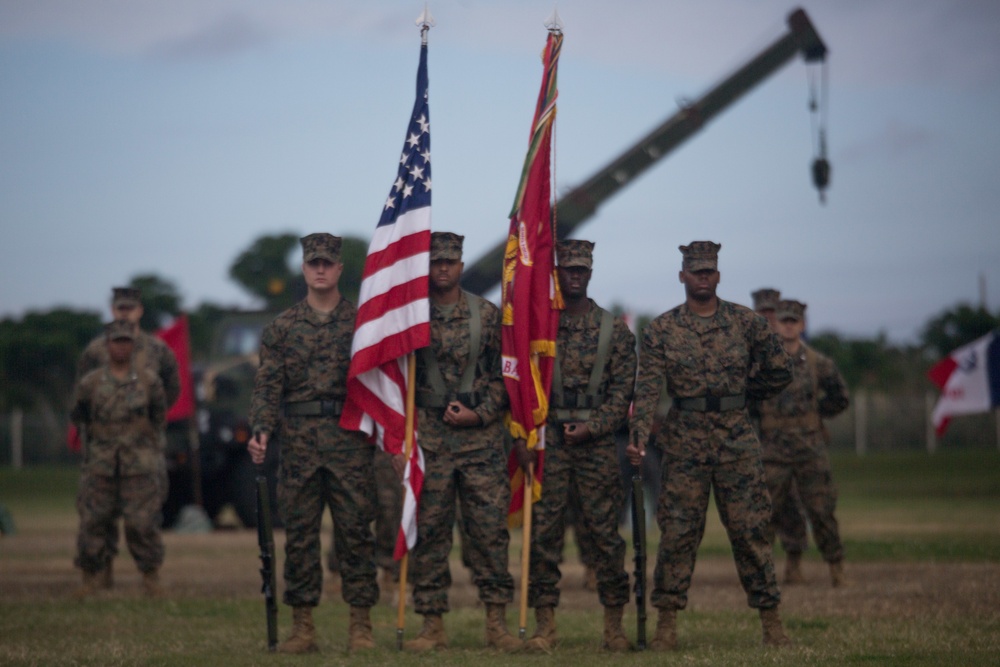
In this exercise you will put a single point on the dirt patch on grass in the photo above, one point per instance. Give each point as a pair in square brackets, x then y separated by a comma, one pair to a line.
[224, 564]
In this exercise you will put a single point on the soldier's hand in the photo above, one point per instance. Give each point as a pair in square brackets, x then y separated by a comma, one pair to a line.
[576, 433]
[257, 447]
[635, 451]
[399, 464]
[525, 457]
[458, 415]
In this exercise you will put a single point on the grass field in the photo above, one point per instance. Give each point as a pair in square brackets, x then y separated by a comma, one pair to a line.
[922, 536]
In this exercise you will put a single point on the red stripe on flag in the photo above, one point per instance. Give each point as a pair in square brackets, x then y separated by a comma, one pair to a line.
[408, 246]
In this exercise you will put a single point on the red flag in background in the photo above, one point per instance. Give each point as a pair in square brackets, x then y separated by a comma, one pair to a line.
[178, 339]
[530, 297]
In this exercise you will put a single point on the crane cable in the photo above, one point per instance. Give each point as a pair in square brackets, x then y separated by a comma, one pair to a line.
[819, 96]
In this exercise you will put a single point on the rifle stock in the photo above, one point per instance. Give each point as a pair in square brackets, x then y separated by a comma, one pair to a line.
[265, 539]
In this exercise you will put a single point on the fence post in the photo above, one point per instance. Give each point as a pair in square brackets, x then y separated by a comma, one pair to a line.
[929, 422]
[17, 438]
[861, 422]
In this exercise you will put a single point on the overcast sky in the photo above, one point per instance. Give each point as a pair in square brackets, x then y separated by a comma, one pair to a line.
[140, 136]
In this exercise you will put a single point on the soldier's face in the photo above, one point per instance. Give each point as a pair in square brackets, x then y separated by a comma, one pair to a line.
[700, 285]
[120, 349]
[573, 280]
[445, 274]
[322, 275]
[127, 311]
[790, 330]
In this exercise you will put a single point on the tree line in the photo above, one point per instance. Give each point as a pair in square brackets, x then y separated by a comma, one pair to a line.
[38, 351]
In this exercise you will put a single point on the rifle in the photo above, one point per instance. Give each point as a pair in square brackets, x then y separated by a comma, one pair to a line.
[639, 547]
[265, 539]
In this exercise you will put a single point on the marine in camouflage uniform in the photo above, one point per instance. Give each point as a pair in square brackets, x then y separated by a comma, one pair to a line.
[789, 516]
[703, 352]
[122, 407]
[591, 392]
[793, 436]
[298, 396]
[460, 397]
[389, 513]
[148, 352]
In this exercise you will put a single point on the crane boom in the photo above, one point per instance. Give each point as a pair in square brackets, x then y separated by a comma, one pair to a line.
[579, 204]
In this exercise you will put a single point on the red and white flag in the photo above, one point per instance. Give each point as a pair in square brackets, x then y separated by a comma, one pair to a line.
[969, 379]
[393, 311]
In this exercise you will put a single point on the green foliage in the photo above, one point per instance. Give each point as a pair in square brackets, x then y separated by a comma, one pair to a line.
[201, 323]
[956, 327]
[264, 270]
[160, 300]
[353, 252]
[38, 356]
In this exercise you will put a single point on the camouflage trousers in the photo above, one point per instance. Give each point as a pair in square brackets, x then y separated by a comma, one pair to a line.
[745, 510]
[790, 522]
[814, 480]
[101, 500]
[111, 534]
[590, 472]
[477, 481]
[346, 486]
[389, 513]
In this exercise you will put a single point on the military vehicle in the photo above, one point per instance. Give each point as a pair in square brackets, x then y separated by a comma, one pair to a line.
[208, 461]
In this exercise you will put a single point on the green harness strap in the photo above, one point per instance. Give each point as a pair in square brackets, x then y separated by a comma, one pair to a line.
[563, 413]
[438, 394]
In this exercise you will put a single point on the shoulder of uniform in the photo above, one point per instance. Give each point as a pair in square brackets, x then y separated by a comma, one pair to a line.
[347, 309]
[819, 356]
[148, 376]
[737, 309]
[94, 345]
[91, 377]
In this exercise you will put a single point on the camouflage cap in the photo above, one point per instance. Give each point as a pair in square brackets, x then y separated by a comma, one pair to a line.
[446, 245]
[320, 246]
[789, 309]
[700, 255]
[119, 329]
[765, 299]
[125, 296]
[575, 253]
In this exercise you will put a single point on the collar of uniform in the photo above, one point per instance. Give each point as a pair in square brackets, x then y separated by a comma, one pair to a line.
[581, 321]
[307, 313]
[460, 311]
[720, 320]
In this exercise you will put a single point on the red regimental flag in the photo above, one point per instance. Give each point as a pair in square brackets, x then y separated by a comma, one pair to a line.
[530, 297]
[178, 339]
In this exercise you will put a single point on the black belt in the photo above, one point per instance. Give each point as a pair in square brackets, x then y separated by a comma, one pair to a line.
[711, 403]
[577, 400]
[426, 399]
[324, 407]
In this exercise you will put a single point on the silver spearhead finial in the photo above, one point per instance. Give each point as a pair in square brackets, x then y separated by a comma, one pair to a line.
[554, 23]
[425, 20]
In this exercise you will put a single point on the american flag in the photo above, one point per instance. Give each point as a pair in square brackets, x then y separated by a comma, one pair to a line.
[393, 310]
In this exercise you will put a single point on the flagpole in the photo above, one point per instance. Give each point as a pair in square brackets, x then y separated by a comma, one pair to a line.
[411, 393]
[526, 549]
